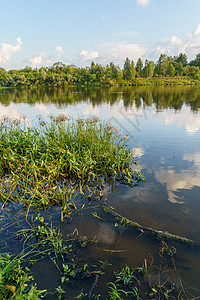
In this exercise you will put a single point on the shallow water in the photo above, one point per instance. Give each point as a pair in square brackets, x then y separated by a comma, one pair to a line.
[163, 124]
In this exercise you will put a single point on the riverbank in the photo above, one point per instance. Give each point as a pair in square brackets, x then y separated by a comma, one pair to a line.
[140, 81]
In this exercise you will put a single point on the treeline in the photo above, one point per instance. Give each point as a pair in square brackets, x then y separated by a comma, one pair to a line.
[166, 68]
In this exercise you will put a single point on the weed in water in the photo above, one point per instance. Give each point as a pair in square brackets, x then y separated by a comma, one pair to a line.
[15, 283]
[125, 276]
[82, 295]
[54, 161]
[60, 292]
[116, 293]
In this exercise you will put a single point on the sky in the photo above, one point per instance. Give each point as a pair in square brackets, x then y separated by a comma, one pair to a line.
[40, 32]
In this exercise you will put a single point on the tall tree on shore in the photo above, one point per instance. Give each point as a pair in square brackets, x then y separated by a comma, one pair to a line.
[148, 69]
[114, 70]
[170, 70]
[196, 61]
[127, 69]
[162, 64]
[139, 67]
[181, 58]
[133, 70]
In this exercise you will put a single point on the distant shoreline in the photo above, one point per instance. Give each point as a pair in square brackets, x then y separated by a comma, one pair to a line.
[166, 71]
[156, 81]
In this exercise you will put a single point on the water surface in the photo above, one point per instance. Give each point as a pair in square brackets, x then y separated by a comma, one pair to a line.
[163, 124]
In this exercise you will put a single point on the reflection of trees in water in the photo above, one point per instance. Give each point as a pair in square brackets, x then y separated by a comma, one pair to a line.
[162, 97]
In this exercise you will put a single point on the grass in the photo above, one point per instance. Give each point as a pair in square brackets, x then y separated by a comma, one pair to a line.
[15, 283]
[51, 162]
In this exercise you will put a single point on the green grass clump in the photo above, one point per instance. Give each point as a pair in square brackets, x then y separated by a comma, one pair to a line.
[47, 163]
[15, 283]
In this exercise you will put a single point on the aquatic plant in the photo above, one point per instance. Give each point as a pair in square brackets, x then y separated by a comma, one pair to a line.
[125, 276]
[116, 293]
[52, 162]
[60, 292]
[81, 295]
[15, 283]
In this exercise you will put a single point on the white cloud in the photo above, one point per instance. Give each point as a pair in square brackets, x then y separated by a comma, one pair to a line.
[106, 233]
[9, 111]
[195, 158]
[197, 31]
[174, 40]
[118, 52]
[89, 109]
[138, 152]
[86, 55]
[41, 107]
[189, 43]
[191, 122]
[143, 2]
[184, 179]
[176, 181]
[59, 50]
[37, 60]
[7, 50]
[48, 61]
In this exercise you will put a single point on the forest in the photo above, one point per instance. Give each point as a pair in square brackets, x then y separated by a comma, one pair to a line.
[167, 70]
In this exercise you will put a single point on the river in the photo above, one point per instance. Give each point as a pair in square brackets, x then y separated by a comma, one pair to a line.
[163, 126]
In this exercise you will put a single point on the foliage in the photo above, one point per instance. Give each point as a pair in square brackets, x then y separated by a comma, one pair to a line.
[125, 276]
[14, 281]
[60, 292]
[54, 161]
[61, 75]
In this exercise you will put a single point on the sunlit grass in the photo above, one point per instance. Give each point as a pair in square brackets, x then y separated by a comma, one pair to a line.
[15, 283]
[52, 161]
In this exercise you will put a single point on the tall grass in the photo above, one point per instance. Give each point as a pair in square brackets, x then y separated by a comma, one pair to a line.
[46, 163]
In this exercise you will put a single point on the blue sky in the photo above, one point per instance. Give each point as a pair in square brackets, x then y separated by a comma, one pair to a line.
[40, 32]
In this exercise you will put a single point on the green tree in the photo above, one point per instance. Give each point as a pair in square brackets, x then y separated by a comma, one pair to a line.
[132, 70]
[179, 69]
[192, 71]
[162, 64]
[170, 70]
[58, 67]
[127, 69]
[43, 75]
[148, 69]
[181, 58]
[139, 67]
[196, 62]
[114, 70]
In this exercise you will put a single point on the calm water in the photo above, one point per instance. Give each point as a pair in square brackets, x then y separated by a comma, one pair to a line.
[163, 125]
